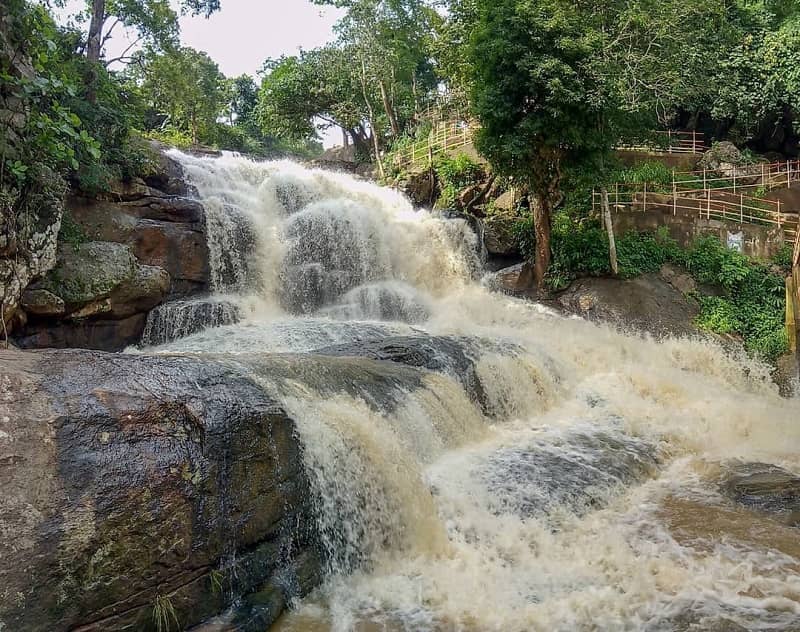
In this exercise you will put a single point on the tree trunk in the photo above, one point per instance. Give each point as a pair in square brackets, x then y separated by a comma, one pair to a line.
[541, 207]
[371, 120]
[95, 42]
[387, 106]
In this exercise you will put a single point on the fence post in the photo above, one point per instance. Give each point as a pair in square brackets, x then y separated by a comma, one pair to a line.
[616, 196]
[674, 195]
[779, 213]
[763, 175]
[741, 208]
[645, 198]
[708, 204]
[788, 175]
[705, 186]
[612, 244]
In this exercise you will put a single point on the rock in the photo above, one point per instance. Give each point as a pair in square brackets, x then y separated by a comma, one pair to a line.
[161, 482]
[147, 288]
[28, 245]
[498, 235]
[92, 309]
[165, 173]
[647, 303]
[168, 232]
[99, 296]
[42, 303]
[105, 334]
[504, 204]
[765, 488]
[514, 280]
[678, 278]
[89, 272]
[419, 187]
[725, 159]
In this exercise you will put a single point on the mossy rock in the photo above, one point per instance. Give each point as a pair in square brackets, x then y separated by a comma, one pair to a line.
[90, 272]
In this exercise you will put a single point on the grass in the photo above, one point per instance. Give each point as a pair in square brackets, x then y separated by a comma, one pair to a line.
[164, 614]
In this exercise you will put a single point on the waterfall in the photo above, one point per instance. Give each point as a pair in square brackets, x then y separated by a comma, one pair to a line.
[478, 462]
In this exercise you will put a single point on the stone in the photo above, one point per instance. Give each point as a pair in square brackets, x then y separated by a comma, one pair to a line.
[101, 332]
[168, 232]
[165, 173]
[159, 481]
[42, 303]
[647, 303]
[765, 488]
[498, 235]
[678, 278]
[419, 187]
[504, 204]
[89, 310]
[89, 272]
[147, 288]
[725, 159]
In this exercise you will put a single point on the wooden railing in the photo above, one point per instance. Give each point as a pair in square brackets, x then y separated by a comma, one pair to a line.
[444, 137]
[739, 208]
[670, 142]
[758, 175]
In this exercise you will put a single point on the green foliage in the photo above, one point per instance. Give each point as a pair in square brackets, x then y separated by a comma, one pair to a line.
[579, 249]
[753, 304]
[651, 172]
[639, 253]
[783, 257]
[458, 172]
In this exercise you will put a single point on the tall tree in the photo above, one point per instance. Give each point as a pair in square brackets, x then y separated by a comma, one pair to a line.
[185, 86]
[155, 21]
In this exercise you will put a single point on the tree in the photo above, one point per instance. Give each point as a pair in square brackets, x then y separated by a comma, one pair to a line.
[318, 86]
[184, 86]
[537, 99]
[154, 20]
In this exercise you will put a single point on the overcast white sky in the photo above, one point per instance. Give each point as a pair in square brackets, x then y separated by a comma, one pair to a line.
[244, 33]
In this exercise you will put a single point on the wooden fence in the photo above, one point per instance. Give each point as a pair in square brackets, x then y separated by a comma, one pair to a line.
[445, 137]
[738, 208]
[670, 142]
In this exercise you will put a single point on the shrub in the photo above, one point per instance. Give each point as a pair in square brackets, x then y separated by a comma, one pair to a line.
[458, 172]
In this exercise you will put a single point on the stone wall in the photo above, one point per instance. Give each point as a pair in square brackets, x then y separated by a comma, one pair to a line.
[761, 242]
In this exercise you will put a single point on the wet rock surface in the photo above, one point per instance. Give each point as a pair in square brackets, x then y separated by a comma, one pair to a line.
[161, 482]
[764, 488]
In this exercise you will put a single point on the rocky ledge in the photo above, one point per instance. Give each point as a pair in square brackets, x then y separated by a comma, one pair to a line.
[119, 255]
[140, 492]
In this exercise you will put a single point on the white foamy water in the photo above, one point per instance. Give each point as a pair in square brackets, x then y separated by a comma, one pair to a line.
[513, 470]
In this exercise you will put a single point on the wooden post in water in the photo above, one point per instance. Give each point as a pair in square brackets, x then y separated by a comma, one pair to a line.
[612, 244]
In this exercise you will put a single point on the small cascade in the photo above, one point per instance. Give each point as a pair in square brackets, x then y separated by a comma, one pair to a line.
[179, 319]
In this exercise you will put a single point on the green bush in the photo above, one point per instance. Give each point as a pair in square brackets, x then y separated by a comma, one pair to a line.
[638, 253]
[458, 172]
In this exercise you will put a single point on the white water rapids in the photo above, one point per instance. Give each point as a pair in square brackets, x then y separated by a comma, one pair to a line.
[542, 473]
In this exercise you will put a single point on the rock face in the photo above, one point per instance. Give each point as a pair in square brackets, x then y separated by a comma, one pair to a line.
[162, 485]
[499, 237]
[129, 250]
[647, 303]
[97, 296]
[29, 219]
[420, 187]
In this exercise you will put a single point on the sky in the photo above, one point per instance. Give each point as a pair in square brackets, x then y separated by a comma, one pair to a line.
[244, 33]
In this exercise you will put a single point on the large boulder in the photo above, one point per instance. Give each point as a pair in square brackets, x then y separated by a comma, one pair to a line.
[145, 493]
[764, 487]
[725, 159]
[499, 236]
[419, 187]
[164, 231]
[97, 296]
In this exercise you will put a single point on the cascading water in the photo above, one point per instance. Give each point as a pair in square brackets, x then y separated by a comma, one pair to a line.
[479, 463]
